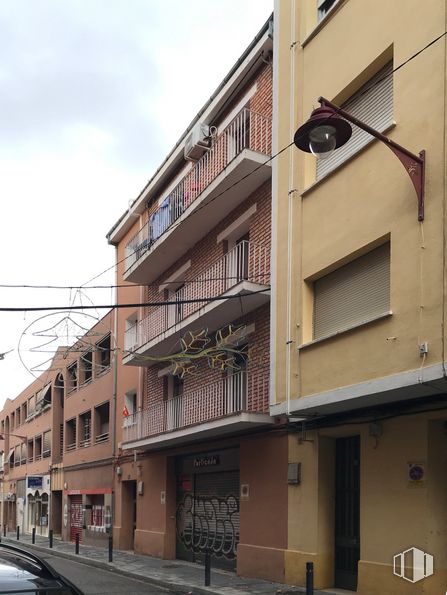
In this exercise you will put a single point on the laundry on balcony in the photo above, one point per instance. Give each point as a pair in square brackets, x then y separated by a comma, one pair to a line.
[160, 220]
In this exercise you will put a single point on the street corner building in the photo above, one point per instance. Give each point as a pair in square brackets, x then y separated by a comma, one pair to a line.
[358, 289]
[201, 465]
[57, 471]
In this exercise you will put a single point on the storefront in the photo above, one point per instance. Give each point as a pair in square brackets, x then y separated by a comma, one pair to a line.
[88, 514]
[207, 507]
[37, 502]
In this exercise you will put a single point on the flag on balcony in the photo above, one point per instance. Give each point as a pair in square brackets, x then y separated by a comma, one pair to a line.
[125, 411]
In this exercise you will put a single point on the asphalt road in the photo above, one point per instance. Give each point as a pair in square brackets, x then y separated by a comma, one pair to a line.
[94, 581]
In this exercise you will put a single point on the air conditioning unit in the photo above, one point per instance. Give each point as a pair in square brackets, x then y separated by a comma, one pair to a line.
[197, 142]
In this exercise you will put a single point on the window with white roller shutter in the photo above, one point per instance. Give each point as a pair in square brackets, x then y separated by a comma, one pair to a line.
[355, 293]
[372, 104]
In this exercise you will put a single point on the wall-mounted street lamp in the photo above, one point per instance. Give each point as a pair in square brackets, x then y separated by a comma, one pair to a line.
[328, 129]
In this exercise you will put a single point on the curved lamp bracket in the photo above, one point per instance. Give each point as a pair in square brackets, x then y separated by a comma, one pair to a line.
[413, 164]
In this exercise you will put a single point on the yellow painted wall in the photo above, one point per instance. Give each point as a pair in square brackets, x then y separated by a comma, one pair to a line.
[395, 514]
[318, 226]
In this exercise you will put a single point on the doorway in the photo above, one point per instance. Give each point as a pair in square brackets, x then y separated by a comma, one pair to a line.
[347, 511]
[129, 520]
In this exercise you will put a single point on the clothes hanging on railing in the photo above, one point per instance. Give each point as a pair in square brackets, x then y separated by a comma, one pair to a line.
[160, 220]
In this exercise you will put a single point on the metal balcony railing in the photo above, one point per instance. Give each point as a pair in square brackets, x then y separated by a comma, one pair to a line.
[248, 130]
[246, 261]
[85, 443]
[102, 438]
[243, 391]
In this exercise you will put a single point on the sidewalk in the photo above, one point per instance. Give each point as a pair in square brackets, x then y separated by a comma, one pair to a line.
[175, 575]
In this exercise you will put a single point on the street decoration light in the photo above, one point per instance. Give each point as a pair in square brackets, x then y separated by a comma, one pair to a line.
[329, 128]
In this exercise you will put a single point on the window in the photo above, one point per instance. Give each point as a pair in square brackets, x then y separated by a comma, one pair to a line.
[31, 405]
[103, 355]
[102, 417]
[86, 365]
[17, 455]
[43, 398]
[324, 6]
[131, 333]
[30, 450]
[173, 389]
[353, 294]
[235, 387]
[70, 435]
[238, 260]
[130, 408]
[72, 377]
[37, 448]
[175, 289]
[373, 104]
[86, 429]
[46, 444]
[23, 453]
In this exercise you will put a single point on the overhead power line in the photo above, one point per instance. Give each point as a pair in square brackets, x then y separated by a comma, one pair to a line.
[131, 285]
[135, 305]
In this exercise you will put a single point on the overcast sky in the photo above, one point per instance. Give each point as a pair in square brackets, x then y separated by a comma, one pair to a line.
[93, 95]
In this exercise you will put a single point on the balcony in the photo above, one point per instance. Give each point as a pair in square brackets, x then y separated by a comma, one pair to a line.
[234, 404]
[243, 271]
[221, 180]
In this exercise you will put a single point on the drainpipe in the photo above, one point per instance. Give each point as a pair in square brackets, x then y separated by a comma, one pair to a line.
[114, 393]
[444, 296]
[290, 197]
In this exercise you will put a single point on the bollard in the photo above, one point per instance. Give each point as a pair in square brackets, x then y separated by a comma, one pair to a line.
[207, 568]
[33, 535]
[51, 538]
[18, 532]
[77, 543]
[4, 530]
[110, 548]
[309, 578]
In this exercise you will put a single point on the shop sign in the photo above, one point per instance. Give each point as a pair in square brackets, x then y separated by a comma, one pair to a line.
[206, 461]
[34, 482]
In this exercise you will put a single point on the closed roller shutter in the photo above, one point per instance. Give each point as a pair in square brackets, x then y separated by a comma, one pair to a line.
[373, 104]
[208, 518]
[76, 517]
[354, 293]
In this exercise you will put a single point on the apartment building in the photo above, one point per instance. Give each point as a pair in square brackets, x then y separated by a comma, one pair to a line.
[200, 460]
[358, 301]
[57, 463]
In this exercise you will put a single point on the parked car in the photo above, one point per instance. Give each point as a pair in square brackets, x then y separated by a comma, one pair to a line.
[23, 572]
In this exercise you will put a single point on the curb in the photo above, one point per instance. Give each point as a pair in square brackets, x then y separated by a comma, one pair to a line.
[186, 589]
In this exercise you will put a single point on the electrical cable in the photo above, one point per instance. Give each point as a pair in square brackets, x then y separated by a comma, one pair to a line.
[133, 305]
[130, 285]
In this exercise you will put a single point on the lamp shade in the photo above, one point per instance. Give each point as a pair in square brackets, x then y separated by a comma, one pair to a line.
[323, 132]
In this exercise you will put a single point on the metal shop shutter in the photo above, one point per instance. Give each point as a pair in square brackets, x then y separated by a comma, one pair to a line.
[373, 103]
[354, 293]
[76, 517]
[217, 500]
